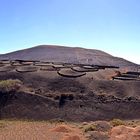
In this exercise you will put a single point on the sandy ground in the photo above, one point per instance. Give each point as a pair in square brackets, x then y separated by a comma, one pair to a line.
[46, 130]
[22, 130]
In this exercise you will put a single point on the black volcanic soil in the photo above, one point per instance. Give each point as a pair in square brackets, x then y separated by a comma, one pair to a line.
[55, 90]
[90, 97]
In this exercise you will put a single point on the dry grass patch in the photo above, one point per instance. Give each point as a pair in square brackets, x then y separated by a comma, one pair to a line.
[3, 124]
[10, 85]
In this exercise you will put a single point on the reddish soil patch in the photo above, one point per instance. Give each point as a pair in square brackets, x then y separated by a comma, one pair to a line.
[62, 128]
[75, 137]
[125, 133]
[70, 132]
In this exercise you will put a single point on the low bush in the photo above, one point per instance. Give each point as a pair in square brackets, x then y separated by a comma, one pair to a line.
[89, 128]
[10, 85]
[117, 122]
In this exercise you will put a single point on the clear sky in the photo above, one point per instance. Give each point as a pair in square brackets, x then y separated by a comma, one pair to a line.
[109, 25]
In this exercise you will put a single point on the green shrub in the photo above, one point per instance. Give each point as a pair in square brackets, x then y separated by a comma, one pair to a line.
[10, 85]
[117, 122]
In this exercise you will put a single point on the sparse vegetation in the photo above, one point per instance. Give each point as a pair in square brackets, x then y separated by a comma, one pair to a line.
[57, 121]
[90, 127]
[17, 129]
[10, 85]
[117, 122]
[2, 124]
[38, 130]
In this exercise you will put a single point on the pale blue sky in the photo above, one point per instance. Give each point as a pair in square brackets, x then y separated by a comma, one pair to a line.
[109, 25]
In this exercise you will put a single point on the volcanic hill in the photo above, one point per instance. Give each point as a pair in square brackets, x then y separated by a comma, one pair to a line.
[52, 53]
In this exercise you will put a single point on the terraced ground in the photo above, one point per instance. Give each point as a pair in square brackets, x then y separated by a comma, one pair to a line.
[87, 91]
[127, 76]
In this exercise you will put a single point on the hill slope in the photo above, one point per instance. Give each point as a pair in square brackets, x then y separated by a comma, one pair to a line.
[64, 54]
